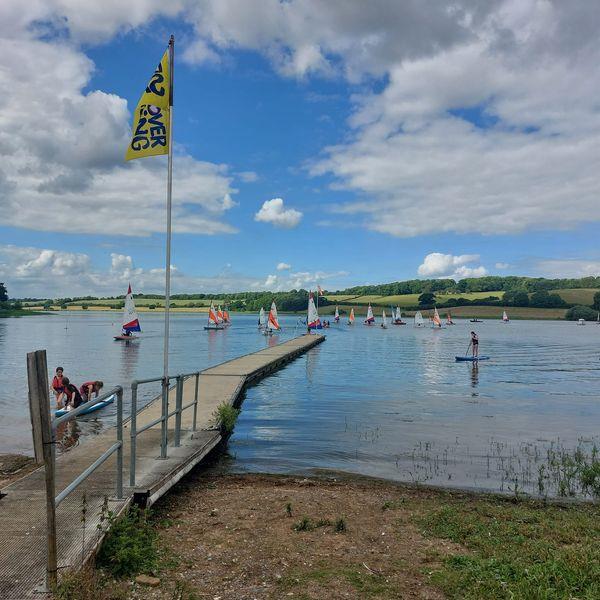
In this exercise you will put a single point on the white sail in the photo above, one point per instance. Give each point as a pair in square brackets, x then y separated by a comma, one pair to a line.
[383, 318]
[336, 316]
[313, 316]
[262, 321]
[370, 318]
[212, 315]
[130, 317]
[436, 321]
[418, 319]
[504, 317]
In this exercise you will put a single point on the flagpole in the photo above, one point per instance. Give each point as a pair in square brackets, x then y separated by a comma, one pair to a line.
[169, 190]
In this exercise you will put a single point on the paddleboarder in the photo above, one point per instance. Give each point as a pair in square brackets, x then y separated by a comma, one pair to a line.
[475, 344]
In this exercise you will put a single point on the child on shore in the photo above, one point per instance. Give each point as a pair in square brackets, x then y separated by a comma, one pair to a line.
[72, 395]
[90, 388]
[58, 386]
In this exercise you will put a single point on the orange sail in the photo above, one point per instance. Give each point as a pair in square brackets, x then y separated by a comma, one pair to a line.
[436, 318]
[273, 323]
[212, 315]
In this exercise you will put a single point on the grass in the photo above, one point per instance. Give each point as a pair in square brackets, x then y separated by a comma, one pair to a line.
[404, 300]
[515, 550]
[583, 296]
[226, 416]
[130, 547]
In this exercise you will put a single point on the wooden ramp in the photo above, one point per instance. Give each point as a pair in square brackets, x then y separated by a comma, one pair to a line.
[23, 508]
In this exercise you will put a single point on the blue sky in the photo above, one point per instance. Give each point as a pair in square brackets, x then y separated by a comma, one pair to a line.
[416, 142]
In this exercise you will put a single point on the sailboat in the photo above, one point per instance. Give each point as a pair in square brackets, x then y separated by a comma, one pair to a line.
[370, 317]
[226, 318]
[262, 319]
[449, 320]
[598, 319]
[313, 316]
[505, 318]
[397, 318]
[383, 319]
[336, 316]
[213, 320]
[351, 317]
[272, 321]
[418, 319]
[436, 322]
[130, 318]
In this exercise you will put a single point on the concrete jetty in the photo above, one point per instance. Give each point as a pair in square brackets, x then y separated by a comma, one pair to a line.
[22, 504]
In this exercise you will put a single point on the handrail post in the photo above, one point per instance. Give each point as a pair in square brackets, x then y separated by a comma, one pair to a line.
[133, 434]
[120, 440]
[165, 417]
[178, 404]
[196, 401]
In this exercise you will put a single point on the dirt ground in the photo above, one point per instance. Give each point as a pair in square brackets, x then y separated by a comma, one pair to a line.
[14, 466]
[236, 537]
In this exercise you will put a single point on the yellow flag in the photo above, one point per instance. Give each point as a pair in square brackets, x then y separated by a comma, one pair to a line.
[150, 136]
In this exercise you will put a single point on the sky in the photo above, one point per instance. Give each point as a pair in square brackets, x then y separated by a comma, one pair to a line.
[337, 143]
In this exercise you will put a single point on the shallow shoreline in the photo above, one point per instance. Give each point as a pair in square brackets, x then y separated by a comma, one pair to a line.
[340, 536]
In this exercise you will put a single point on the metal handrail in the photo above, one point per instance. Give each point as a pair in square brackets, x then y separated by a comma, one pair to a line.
[164, 417]
[116, 447]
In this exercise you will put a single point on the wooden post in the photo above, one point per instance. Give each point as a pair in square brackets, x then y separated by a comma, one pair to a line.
[43, 439]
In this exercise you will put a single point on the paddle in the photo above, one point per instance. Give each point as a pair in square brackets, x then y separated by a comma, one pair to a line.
[467, 352]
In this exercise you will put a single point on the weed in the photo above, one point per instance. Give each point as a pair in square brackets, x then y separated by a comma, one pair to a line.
[130, 546]
[392, 504]
[89, 584]
[304, 524]
[288, 509]
[340, 525]
[323, 523]
[225, 416]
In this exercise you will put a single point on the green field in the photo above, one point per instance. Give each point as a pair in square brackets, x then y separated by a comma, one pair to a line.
[583, 296]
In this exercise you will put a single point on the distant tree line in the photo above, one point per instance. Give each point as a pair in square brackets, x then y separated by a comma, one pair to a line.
[492, 283]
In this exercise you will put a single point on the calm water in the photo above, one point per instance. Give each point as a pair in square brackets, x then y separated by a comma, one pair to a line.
[391, 403]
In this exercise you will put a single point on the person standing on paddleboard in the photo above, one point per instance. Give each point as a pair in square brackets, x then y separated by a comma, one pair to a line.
[475, 344]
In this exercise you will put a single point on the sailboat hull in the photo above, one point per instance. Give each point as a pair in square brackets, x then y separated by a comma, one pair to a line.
[214, 327]
[126, 338]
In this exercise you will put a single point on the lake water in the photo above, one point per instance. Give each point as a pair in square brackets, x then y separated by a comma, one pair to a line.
[390, 403]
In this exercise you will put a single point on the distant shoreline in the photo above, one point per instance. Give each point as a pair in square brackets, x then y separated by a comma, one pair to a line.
[489, 313]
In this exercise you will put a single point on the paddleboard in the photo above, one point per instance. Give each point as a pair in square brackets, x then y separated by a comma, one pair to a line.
[61, 411]
[471, 358]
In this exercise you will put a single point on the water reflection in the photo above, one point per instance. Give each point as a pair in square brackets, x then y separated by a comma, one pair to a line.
[67, 435]
[474, 376]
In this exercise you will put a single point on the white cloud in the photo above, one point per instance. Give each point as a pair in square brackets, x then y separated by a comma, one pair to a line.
[424, 165]
[437, 265]
[62, 149]
[502, 265]
[301, 280]
[38, 272]
[283, 266]
[273, 211]
[562, 268]
[248, 176]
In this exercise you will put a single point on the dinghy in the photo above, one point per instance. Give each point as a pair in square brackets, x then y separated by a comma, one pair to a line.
[436, 322]
[313, 316]
[476, 320]
[383, 319]
[262, 319]
[397, 318]
[419, 319]
[351, 317]
[63, 411]
[505, 318]
[336, 316]
[272, 321]
[213, 320]
[581, 322]
[370, 317]
[130, 319]
[449, 320]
